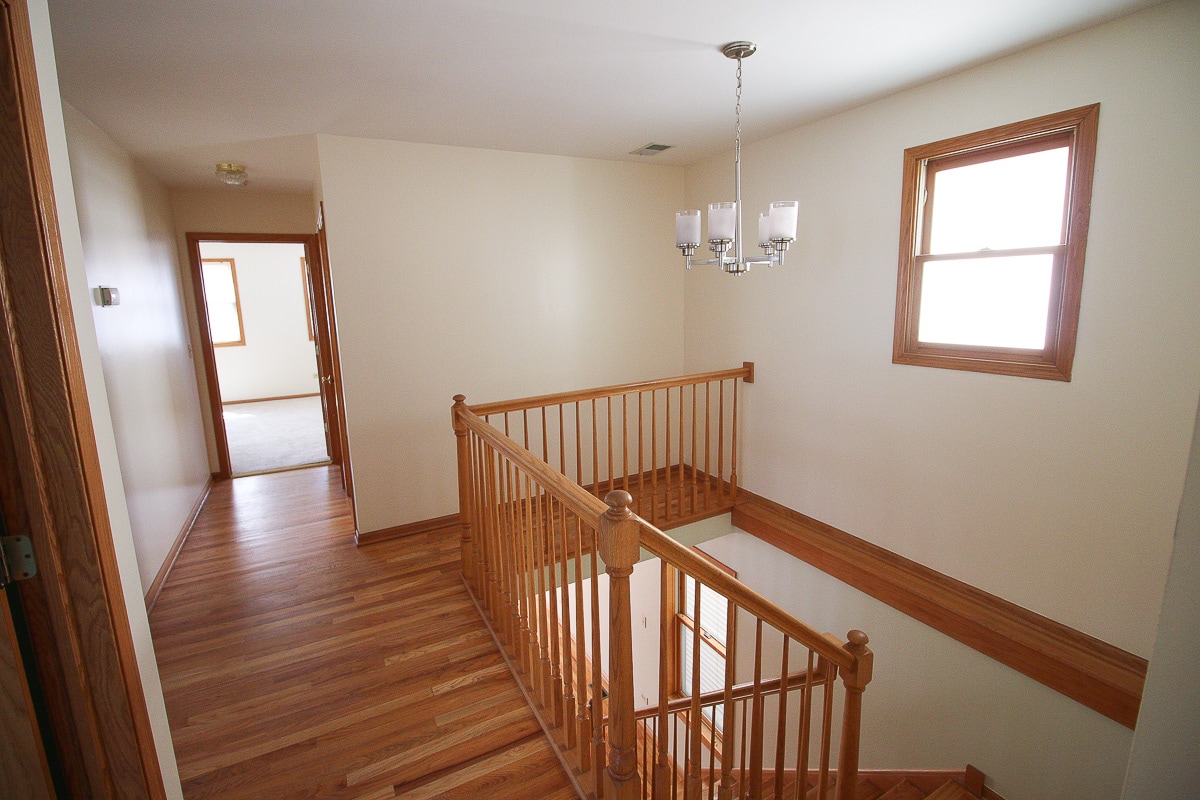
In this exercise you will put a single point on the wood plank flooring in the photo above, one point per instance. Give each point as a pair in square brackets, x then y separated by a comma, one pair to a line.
[295, 665]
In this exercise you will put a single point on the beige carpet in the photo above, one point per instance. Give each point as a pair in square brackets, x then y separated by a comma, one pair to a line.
[275, 434]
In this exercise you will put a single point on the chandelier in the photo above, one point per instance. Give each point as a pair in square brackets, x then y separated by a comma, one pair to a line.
[776, 226]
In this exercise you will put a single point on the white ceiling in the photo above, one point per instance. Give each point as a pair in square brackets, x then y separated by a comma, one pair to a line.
[184, 84]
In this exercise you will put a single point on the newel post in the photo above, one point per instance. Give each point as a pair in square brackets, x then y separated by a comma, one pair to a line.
[855, 681]
[618, 541]
[465, 508]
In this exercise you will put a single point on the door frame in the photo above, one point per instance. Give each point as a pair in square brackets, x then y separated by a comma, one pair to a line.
[332, 367]
[52, 488]
[330, 383]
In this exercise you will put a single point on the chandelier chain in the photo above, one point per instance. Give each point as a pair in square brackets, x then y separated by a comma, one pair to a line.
[737, 141]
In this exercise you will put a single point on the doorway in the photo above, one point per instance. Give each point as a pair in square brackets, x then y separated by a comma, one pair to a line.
[262, 334]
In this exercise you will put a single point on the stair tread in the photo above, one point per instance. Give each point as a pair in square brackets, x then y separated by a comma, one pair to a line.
[867, 790]
[951, 791]
[903, 791]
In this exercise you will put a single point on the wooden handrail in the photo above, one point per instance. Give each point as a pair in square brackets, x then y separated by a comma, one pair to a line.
[741, 595]
[745, 372]
[535, 542]
[580, 501]
[742, 691]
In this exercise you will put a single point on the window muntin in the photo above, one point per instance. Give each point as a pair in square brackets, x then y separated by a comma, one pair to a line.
[222, 302]
[994, 227]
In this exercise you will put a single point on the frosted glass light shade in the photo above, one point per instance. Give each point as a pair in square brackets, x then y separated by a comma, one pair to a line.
[722, 221]
[764, 229]
[687, 228]
[783, 219]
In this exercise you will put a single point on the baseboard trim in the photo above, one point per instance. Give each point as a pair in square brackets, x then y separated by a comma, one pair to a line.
[1099, 675]
[411, 529]
[169, 562]
[267, 399]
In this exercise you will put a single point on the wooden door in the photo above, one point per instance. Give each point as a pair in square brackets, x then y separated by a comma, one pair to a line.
[315, 319]
[51, 486]
[332, 380]
[24, 769]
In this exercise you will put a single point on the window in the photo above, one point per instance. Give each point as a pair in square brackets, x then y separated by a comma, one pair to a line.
[222, 302]
[713, 637]
[992, 239]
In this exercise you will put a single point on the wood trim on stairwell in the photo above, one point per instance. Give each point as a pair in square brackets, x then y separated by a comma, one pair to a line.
[1099, 675]
[172, 554]
[397, 531]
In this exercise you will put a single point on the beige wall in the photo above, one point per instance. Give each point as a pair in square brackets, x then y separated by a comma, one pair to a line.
[1060, 497]
[230, 209]
[933, 702]
[278, 358]
[490, 274]
[1163, 761]
[128, 243]
[102, 417]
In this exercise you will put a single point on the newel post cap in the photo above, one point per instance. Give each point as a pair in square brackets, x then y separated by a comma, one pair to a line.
[618, 532]
[856, 645]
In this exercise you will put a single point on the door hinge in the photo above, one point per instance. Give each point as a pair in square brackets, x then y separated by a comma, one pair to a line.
[16, 560]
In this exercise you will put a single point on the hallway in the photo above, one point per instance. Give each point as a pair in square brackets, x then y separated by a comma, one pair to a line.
[295, 665]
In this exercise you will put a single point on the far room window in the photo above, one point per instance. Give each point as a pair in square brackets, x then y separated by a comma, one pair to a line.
[222, 302]
[712, 637]
[992, 239]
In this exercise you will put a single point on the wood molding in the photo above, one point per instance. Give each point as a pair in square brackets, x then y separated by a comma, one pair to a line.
[268, 399]
[1099, 675]
[82, 641]
[206, 347]
[411, 529]
[165, 570]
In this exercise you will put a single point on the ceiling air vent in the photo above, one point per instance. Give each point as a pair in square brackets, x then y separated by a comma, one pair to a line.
[650, 150]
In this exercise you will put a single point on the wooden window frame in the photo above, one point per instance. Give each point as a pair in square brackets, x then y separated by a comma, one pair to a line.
[237, 302]
[1078, 127]
[681, 620]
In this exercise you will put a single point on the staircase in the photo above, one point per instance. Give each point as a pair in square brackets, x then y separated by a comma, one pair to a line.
[560, 496]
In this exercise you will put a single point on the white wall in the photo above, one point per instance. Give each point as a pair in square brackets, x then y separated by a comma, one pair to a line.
[935, 703]
[102, 420]
[1165, 759]
[128, 243]
[1060, 497]
[232, 210]
[491, 274]
[278, 359]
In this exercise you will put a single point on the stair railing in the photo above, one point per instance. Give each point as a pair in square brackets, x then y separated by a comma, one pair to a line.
[549, 565]
[671, 443]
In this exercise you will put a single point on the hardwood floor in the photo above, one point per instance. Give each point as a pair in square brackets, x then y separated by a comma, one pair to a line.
[295, 665]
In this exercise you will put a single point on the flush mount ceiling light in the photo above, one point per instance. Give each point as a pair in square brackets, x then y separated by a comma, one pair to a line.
[776, 227]
[232, 174]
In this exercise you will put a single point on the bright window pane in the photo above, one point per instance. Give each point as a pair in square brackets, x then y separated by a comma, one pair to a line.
[1001, 204]
[223, 322]
[714, 608]
[991, 302]
[712, 673]
[221, 299]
